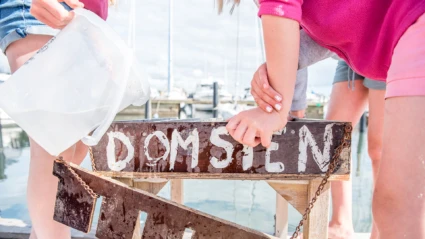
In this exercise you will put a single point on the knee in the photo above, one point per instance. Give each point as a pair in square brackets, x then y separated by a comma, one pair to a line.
[385, 204]
[375, 149]
[375, 154]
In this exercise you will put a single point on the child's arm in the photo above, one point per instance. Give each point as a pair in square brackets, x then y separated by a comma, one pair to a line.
[265, 96]
[281, 38]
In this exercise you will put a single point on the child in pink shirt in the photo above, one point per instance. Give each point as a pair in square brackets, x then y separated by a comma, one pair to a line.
[391, 34]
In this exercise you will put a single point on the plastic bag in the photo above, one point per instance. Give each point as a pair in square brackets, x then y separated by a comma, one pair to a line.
[75, 84]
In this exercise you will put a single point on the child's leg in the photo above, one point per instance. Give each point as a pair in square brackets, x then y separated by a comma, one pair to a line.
[375, 136]
[42, 185]
[399, 196]
[376, 128]
[345, 105]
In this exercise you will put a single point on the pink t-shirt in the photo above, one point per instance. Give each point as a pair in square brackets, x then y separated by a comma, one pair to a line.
[100, 7]
[362, 32]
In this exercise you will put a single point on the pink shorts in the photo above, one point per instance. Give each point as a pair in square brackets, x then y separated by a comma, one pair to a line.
[406, 76]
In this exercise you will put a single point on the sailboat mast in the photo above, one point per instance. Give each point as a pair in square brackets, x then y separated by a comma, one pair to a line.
[237, 55]
[225, 73]
[260, 38]
[170, 47]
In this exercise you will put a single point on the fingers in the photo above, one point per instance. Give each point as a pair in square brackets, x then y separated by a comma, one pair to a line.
[232, 124]
[57, 10]
[250, 138]
[47, 18]
[245, 134]
[263, 81]
[41, 17]
[239, 133]
[261, 103]
[261, 76]
[51, 12]
[73, 3]
[256, 90]
[266, 138]
[252, 127]
[261, 89]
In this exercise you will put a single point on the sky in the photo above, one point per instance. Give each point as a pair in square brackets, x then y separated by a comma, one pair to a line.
[204, 44]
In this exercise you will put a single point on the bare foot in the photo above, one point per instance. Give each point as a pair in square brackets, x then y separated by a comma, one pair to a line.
[336, 231]
[300, 236]
[32, 235]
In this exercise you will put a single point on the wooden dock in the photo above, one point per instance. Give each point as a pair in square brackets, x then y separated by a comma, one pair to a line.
[169, 108]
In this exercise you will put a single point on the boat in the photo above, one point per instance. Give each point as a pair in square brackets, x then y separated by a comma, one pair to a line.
[205, 92]
[174, 94]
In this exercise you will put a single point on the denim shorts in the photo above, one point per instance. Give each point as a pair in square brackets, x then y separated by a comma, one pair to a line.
[344, 73]
[16, 22]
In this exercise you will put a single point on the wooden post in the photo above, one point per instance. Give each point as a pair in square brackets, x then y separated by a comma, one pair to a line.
[316, 226]
[294, 191]
[148, 110]
[177, 190]
[281, 225]
[362, 126]
[215, 99]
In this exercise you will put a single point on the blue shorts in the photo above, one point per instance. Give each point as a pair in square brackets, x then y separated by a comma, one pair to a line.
[16, 22]
[344, 73]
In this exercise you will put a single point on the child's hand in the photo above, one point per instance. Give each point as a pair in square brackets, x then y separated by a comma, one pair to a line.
[52, 13]
[265, 96]
[254, 126]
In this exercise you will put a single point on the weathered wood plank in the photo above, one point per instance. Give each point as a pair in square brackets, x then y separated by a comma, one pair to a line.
[74, 206]
[295, 193]
[177, 190]
[316, 226]
[121, 205]
[151, 186]
[205, 150]
[117, 218]
[224, 176]
[281, 225]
